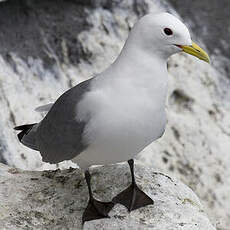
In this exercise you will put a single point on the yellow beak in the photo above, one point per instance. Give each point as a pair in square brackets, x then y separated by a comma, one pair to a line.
[196, 51]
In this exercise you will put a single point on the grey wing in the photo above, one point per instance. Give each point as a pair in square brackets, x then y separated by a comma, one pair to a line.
[59, 134]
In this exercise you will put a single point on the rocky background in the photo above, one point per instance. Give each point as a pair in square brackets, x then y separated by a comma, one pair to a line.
[48, 46]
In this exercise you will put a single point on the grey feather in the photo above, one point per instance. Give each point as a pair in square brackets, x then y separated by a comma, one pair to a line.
[44, 108]
[59, 134]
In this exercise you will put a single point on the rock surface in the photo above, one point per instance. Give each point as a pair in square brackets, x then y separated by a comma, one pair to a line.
[56, 200]
[47, 48]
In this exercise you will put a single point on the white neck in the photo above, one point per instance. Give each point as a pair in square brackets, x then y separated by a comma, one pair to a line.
[139, 66]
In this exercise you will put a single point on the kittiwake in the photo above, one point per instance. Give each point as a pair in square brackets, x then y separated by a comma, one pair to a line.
[111, 117]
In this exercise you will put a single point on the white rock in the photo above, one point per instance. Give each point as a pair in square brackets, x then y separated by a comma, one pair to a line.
[56, 200]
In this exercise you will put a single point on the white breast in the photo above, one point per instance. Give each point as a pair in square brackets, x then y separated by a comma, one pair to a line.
[124, 119]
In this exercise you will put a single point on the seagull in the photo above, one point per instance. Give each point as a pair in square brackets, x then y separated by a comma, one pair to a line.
[113, 116]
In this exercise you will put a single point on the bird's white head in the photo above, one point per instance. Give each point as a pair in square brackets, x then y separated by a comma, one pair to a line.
[163, 34]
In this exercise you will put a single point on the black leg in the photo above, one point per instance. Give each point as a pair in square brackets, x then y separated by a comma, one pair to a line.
[95, 208]
[132, 197]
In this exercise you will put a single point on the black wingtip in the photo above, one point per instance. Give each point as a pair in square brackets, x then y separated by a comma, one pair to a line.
[24, 127]
[24, 130]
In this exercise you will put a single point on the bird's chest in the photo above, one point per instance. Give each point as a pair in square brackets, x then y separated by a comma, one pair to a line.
[138, 116]
[127, 118]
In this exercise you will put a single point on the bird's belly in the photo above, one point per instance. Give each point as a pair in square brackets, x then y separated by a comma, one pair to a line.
[120, 137]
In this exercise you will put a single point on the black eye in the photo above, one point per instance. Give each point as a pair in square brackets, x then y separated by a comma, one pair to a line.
[168, 31]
